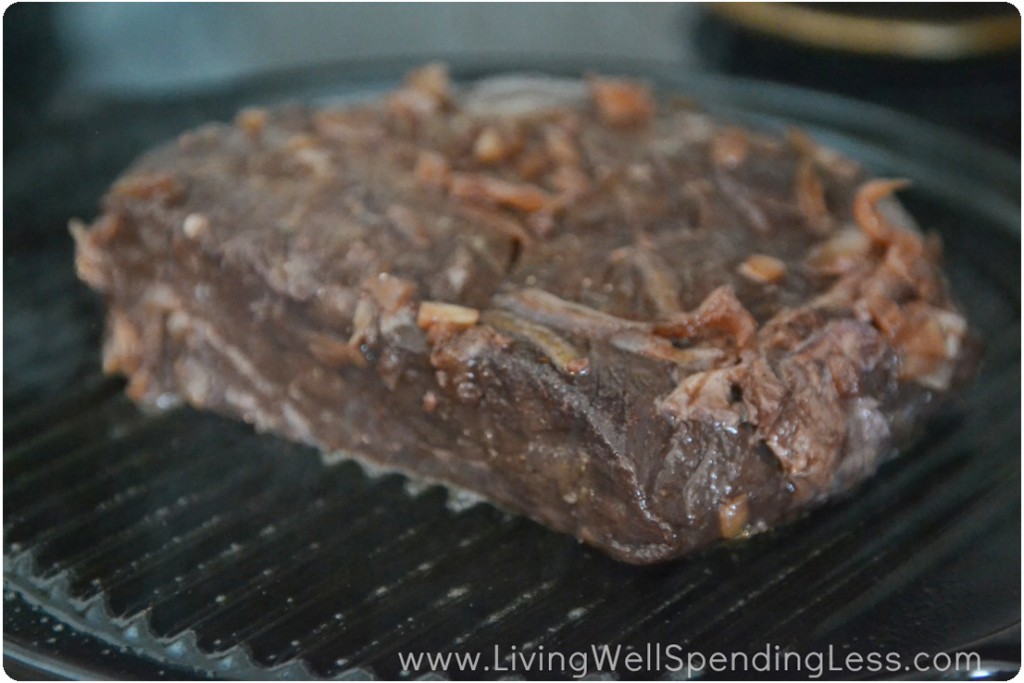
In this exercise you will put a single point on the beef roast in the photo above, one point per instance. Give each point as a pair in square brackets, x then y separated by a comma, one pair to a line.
[589, 304]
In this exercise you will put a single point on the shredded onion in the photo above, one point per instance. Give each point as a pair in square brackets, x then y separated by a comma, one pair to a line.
[547, 309]
[865, 207]
[563, 355]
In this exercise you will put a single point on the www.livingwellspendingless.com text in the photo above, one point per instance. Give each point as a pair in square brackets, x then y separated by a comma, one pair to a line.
[674, 658]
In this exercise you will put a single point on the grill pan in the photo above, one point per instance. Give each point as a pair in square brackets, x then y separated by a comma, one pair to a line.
[184, 545]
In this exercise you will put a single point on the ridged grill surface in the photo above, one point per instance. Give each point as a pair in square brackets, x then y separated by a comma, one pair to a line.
[194, 541]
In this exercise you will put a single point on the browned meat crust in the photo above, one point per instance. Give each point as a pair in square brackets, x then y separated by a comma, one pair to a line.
[608, 313]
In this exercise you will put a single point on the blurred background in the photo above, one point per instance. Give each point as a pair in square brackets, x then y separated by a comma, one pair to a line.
[954, 63]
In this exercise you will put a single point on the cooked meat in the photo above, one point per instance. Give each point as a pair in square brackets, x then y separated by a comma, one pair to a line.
[599, 309]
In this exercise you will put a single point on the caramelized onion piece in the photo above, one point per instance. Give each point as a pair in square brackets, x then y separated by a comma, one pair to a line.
[721, 311]
[90, 255]
[435, 312]
[659, 281]
[432, 169]
[490, 146]
[427, 90]
[865, 207]
[482, 189]
[882, 311]
[763, 269]
[693, 359]
[729, 148]
[343, 124]
[334, 353]
[431, 80]
[160, 185]
[829, 160]
[733, 514]
[810, 197]
[563, 355]
[560, 147]
[547, 309]
[914, 259]
[928, 342]
[622, 103]
[123, 347]
[390, 292]
[842, 294]
[803, 143]
[840, 254]
[364, 322]
[706, 396]
[252, 120]
[923, 346]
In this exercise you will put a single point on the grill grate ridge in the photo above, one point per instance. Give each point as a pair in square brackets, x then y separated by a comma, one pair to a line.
[197, 509]
[38, 417]
[105, 489]
[241, 577]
